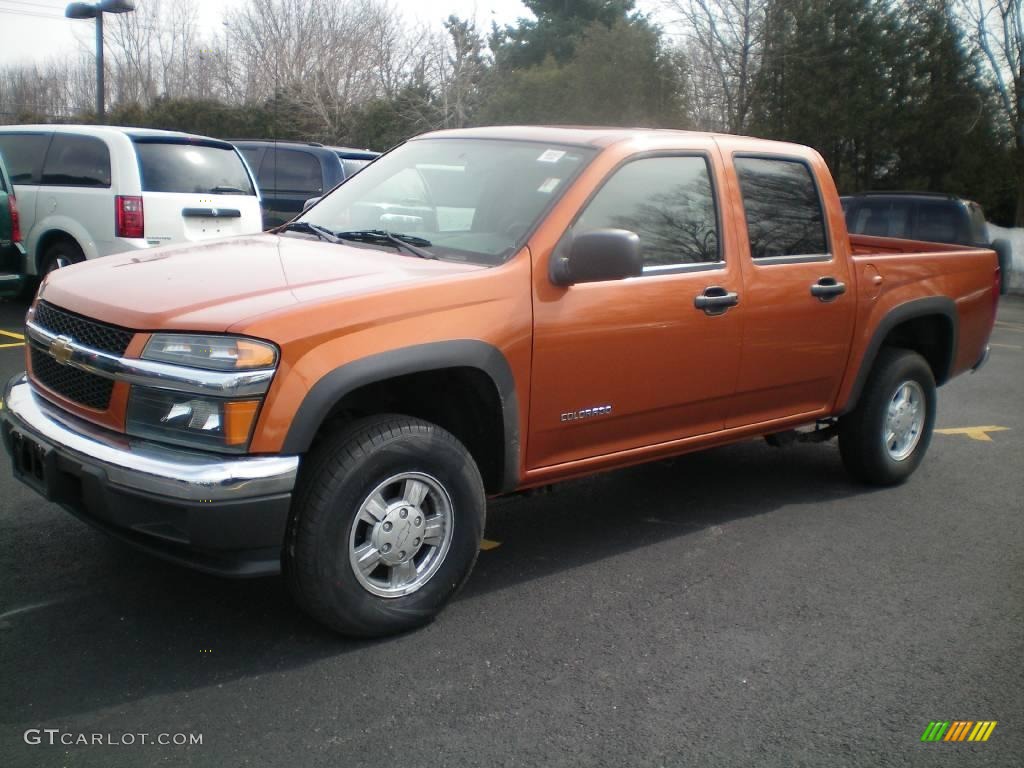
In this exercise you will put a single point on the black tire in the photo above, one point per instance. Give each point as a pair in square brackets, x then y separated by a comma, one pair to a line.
[862, 441]
[1004, 253]
[62, 253]
[338, 478]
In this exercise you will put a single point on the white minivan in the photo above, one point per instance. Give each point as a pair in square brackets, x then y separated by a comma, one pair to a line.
[86, 191]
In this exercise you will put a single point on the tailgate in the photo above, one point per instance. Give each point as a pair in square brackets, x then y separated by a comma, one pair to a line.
[173, 218]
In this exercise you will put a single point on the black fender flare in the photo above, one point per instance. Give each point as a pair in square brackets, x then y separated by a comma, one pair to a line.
[459, 353]
[933, 305]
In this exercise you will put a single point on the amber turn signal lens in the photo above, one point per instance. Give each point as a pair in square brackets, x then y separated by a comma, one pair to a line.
[254, 355]
[238, 418]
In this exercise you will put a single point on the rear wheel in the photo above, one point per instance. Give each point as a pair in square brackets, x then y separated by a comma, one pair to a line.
[386, 526]
[885, 437]
[62, 253]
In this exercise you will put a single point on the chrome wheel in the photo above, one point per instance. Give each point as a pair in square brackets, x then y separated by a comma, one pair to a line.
[402, 534]
[904, 420]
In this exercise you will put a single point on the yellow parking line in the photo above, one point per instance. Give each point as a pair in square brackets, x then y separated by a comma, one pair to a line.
[487, 545]
[11, 346]
[975, 433]
[12, 334]
[1006, 346]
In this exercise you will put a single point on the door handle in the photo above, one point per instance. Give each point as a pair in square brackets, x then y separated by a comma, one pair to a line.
[828, 289]
[716, 300]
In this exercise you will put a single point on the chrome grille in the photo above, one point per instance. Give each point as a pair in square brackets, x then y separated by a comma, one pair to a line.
[81, 387]
[78, 386]
[106, 338]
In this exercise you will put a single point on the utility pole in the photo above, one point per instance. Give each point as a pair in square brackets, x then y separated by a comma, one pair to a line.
[96, 11]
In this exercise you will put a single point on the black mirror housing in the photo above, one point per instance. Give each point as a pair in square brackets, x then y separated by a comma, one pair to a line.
[597, 256]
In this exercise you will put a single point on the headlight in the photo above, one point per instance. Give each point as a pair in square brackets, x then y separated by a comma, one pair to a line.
[196, 421]
[215, 353]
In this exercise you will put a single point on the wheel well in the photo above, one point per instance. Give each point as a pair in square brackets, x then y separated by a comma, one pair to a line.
[931, 336]
[463, 400]
[48, 239]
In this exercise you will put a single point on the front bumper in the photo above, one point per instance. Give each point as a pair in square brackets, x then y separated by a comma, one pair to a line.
[223, 515]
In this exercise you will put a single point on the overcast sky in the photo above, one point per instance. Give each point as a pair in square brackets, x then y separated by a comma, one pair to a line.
[37, 29]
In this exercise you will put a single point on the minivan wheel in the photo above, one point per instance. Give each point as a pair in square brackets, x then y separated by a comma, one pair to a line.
[885, 437]
[386, 525]
[62, 253]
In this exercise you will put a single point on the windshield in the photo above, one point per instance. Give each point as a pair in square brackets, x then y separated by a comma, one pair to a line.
[472, 200]
[194, 168]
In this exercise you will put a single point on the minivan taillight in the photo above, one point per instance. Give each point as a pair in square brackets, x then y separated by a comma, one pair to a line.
[129, 220]
[12, 207]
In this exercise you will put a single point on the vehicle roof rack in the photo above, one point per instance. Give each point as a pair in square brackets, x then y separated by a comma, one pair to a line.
[280, 141]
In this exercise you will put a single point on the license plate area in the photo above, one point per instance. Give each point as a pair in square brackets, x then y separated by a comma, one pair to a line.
[31, 461]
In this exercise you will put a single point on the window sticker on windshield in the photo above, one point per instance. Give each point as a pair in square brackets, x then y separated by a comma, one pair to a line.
[551, 156]
[548, 186]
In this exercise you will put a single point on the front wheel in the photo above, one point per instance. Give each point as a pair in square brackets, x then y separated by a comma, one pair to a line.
[386, 526]
[885, 437]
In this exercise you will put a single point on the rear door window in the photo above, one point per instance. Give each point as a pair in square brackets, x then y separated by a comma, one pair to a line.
[252, 156]
[292, 171]
[942, 222]
[76, 161]
[23, 153]
[783, 209]
[188, 167]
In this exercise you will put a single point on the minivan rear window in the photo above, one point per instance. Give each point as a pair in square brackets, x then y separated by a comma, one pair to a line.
[192, 168]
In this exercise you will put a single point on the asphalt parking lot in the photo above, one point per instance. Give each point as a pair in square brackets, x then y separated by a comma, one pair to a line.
[744, 606]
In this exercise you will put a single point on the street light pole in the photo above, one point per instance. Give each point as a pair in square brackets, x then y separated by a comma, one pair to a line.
[101, 91]
[96, 11]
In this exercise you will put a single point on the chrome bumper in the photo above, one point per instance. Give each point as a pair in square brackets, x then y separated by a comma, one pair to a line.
[142, 466]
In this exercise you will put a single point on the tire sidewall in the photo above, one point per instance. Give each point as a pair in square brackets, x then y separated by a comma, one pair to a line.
[424, 452]
[65, 248]
[901, 368]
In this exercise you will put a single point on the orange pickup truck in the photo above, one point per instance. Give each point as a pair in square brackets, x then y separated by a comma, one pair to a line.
[479, 312]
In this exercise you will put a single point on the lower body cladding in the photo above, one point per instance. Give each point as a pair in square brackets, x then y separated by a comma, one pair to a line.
[224, 515]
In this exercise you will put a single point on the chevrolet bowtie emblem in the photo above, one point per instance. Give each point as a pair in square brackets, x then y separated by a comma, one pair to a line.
[61, 349]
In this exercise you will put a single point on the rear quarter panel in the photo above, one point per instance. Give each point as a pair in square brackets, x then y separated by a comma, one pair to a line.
[893, 272]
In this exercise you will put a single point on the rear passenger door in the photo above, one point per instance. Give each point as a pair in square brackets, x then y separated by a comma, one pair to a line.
[798, 296]
[630, 363]
[288, 178]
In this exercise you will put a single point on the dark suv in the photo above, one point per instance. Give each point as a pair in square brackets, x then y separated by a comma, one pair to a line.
[12, 252]
[930, 216]
[289, 173]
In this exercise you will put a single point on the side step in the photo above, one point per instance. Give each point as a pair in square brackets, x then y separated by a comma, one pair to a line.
[823, 432]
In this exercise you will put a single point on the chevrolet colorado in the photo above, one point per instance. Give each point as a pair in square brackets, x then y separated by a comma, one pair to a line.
[478, 312]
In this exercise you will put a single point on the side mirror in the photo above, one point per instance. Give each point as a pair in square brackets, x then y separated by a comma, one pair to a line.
[597, 256]
[310, 203]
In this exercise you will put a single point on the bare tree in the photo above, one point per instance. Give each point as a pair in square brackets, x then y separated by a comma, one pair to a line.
[996, 29]
[723, 41]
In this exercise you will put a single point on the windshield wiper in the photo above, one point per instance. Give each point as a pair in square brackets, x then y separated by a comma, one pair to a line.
[313, 229]
[408, 242]
[227, 191]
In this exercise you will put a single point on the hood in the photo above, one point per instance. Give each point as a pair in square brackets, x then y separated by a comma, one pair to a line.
[217, 284]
